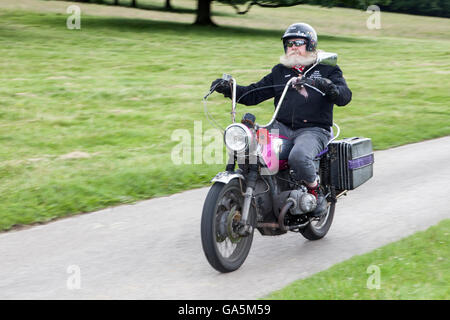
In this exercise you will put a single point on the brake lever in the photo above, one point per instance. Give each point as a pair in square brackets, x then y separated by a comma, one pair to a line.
[312, 87]
[208, 94]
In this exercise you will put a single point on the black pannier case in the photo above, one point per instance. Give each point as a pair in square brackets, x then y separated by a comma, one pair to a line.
[351, 162]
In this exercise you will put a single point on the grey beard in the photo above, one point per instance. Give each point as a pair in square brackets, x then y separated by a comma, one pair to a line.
[293, 60]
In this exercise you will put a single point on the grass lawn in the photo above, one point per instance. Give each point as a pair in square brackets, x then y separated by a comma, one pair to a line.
[87, 116]
[415, 267]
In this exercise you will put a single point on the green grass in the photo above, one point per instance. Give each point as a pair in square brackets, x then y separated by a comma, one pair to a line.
[118, 88]
[415, 267]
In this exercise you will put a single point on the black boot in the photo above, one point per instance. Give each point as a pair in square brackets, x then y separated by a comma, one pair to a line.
[321, 207]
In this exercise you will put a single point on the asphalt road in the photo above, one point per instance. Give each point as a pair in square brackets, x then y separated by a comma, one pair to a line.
[152, 250]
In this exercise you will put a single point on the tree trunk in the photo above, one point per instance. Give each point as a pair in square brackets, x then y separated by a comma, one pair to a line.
[168, 5]
[133, 3]
[116, 2]
[204, 13]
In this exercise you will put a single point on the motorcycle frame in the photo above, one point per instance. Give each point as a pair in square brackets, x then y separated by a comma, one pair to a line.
[230, 174]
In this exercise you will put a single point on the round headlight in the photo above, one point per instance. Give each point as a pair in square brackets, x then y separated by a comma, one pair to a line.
[236, 138]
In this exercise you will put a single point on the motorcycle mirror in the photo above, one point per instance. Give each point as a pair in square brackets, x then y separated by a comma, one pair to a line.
[327, 58]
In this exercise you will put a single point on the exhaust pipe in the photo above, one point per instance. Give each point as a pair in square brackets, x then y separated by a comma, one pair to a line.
[283, 212]
[280, 224]
[290, 202]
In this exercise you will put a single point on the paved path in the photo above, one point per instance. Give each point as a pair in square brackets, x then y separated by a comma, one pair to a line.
[152, 250]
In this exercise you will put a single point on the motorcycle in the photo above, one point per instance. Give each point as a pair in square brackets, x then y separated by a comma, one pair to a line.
[262, 192]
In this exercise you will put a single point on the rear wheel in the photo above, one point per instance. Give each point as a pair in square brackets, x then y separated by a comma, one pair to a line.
[318, 227]
[224, 248]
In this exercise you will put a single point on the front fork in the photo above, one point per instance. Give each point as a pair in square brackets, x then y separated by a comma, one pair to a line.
[245, 228]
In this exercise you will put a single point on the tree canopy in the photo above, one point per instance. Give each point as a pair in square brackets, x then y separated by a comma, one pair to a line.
[440, 8]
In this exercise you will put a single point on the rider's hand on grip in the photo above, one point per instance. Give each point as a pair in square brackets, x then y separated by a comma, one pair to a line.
[328, 87]
[221, 86]
[301, 81]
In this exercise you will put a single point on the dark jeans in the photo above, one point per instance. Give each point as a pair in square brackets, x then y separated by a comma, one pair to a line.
[307, 143]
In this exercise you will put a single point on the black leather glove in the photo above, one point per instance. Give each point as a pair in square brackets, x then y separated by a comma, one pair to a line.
[326, 86]
[221, 86]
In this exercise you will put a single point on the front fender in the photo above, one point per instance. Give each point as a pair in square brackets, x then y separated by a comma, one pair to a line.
[226, 177]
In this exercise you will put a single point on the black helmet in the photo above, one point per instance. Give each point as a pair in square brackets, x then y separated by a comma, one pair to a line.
[301, 30]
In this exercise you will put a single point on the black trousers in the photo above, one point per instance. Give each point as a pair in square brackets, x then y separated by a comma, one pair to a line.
[307, 143]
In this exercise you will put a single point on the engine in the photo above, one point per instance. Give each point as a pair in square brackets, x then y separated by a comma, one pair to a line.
[303, 201]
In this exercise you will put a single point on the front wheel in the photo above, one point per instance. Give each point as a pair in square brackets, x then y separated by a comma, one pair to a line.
[224, 249]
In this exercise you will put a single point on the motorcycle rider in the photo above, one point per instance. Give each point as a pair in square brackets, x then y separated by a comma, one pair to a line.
[305, 117]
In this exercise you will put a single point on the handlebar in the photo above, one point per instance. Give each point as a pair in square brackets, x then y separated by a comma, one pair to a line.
[229, 78]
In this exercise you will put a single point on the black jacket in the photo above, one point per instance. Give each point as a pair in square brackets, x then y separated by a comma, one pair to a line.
[297, 111]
